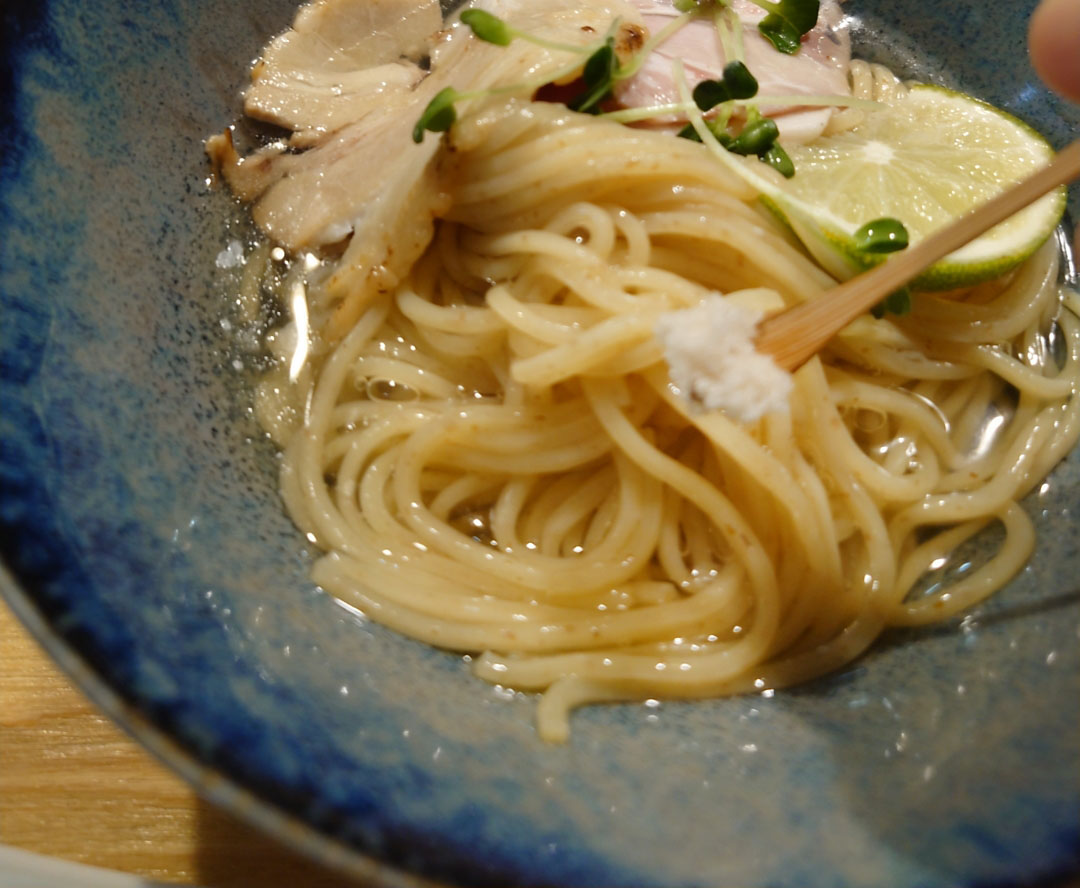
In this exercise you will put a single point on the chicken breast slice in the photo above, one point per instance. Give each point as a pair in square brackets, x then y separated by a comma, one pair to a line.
[819, 68]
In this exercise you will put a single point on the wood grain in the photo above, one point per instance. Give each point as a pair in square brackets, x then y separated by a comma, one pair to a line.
[72, 785]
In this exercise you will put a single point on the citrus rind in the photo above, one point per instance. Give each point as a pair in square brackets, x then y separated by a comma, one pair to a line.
[925, 160]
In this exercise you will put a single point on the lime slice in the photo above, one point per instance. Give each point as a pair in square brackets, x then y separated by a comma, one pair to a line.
[926, 159]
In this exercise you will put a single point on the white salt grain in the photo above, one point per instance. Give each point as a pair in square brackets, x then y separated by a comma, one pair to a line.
[231, 256]
[711, 358]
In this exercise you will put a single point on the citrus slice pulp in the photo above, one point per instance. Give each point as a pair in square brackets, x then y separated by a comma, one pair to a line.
[925, 159]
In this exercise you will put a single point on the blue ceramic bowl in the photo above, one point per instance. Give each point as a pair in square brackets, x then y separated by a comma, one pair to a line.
[146, 547]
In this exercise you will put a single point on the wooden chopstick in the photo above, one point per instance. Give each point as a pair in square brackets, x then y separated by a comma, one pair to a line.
[796, 334]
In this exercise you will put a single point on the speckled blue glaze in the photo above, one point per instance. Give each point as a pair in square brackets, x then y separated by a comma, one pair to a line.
[145, 545]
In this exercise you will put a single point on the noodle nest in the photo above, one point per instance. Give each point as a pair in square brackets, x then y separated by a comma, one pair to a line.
[494, 461]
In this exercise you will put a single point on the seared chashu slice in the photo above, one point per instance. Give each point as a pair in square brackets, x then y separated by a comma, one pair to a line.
[340, 60]
[368, 181]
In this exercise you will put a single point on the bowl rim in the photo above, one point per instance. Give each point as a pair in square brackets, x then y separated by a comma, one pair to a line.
[256, 808]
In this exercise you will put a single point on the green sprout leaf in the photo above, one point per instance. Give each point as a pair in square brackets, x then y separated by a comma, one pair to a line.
[601, 64]
[598, 75]
[898, 303]
[717, 127]
[881, 236]
[740, 83]
[778, 159]
[710, 93]
[488, 27]
[757, 137]
[737, 83]
[787, 21]
[885, 235]
[688, 132]
[438, 116]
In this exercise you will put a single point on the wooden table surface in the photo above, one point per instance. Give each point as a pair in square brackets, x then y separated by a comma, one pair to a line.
[74, 786]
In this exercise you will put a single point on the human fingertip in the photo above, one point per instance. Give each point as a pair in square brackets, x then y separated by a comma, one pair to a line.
[1054, 45]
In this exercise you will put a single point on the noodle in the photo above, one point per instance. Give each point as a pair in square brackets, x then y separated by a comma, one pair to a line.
[487, 443]
[493, 459]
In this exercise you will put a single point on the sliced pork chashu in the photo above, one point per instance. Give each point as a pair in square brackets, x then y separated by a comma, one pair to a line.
[366, 180]
[340, 60]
